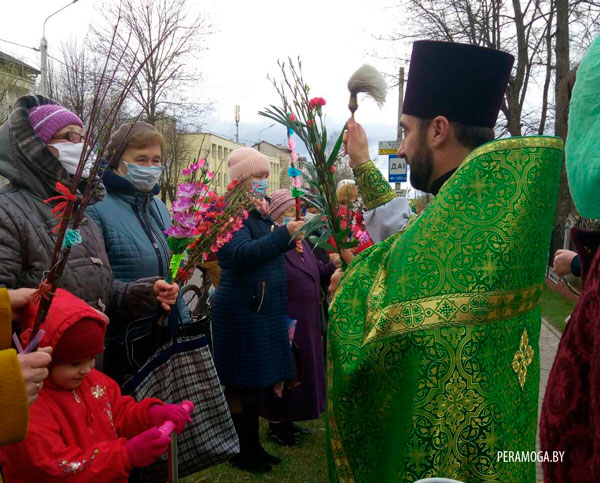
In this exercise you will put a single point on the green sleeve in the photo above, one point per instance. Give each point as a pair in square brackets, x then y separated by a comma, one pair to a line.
[375, 190]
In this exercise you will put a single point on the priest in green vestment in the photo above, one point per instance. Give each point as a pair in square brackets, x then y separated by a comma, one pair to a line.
[433, 363]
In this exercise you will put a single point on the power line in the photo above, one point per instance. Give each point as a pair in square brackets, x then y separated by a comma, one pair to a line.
[20, 45]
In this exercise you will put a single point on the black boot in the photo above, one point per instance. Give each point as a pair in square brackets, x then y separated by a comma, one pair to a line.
[280, 433]
[296, 428]
[248, 459]
[253, 423]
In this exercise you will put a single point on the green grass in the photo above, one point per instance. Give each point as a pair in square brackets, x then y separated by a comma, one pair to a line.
[556, 308]
[305, 463]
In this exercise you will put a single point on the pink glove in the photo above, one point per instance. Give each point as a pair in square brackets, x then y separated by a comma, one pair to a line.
[158, 414]
[145, 448]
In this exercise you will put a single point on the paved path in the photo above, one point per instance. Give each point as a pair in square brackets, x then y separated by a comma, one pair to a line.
[549, 338]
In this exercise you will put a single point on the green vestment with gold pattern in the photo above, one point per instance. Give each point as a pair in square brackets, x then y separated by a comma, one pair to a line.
[433, 338]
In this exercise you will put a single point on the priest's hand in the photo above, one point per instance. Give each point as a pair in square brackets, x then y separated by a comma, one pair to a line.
[335, 281]
[356, 143]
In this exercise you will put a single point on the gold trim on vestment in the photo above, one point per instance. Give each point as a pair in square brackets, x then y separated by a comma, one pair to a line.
[340, 458]
[450, 309]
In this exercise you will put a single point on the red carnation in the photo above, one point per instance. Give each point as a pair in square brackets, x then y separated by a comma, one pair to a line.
[316, 102]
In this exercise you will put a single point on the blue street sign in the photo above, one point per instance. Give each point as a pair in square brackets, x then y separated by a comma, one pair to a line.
[397, 169]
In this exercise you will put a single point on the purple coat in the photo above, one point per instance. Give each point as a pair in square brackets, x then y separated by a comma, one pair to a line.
[304, 277]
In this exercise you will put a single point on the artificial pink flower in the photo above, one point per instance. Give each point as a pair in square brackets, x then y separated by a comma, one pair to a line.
[181, 204]
[186, 190]
[296, 182]
[294, 157]
[291, 144]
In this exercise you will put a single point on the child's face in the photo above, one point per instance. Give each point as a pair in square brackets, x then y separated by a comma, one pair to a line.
[70, 375]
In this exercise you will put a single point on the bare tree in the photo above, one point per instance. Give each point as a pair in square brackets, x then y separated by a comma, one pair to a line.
[176, 156]
[526, 28]
[73, 79]
[160, 89]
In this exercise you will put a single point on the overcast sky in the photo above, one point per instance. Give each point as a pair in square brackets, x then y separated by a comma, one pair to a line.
[333, 38]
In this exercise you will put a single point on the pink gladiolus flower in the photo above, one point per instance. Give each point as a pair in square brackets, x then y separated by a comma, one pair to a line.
[179, 232]
[194, 167]
[202, 163]
[245, 214]
[187, 220]
[185, 190]
[186, 172]
[204, 256]
[181, 204]
[210, 175]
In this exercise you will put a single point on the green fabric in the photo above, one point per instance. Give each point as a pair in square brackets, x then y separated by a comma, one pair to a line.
[583, 155]
[375, 190]
[433, 338]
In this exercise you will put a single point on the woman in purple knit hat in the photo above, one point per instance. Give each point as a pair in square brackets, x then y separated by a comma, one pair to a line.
[40, 146]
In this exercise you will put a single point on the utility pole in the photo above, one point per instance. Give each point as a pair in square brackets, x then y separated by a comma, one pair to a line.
[44, 52]
[44, 66]
[400, 101]
[400, 104]
[237, 123]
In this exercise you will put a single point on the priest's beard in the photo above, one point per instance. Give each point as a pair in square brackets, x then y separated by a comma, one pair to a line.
[421, 167]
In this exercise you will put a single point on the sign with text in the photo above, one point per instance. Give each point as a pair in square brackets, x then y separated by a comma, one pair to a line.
[397, 169]
[389, 147]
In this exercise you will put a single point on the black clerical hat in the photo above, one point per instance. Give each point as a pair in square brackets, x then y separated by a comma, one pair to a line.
[461, 82]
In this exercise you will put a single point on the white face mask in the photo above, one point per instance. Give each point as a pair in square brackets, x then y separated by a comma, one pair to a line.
[68, 156]
[309, 216]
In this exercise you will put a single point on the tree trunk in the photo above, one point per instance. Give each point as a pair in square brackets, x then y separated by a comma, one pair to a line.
[565, 202]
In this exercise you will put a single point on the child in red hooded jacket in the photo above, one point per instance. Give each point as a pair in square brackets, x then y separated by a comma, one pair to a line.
[81, 429]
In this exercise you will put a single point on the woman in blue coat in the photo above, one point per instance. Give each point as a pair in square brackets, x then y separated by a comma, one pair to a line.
[251, 343]
[133, 221]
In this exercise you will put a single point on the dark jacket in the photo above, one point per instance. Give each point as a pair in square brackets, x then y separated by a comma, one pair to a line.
[570, 415]
[133, 225]
[251, 343]
[26, 222]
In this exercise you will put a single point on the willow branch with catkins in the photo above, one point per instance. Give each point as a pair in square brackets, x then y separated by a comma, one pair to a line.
[74, 200]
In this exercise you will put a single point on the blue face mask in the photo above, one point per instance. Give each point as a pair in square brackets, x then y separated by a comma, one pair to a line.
[143, 178]
[286, 220]
[259, 187]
